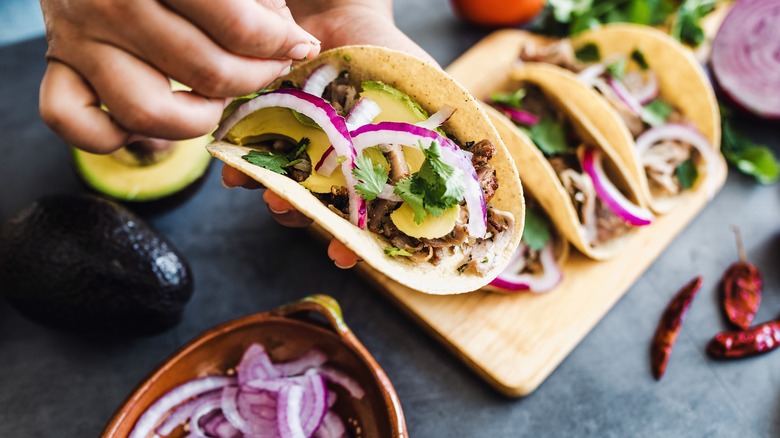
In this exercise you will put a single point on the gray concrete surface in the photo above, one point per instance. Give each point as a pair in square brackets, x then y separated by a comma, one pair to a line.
[58, 385]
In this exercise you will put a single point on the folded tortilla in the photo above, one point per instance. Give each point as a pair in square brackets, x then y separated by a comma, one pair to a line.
[432, 89]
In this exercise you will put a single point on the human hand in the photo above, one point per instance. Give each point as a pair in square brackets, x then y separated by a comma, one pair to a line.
[120, 54]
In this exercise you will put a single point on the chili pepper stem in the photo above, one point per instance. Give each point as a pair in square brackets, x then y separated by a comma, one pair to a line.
[740, 247]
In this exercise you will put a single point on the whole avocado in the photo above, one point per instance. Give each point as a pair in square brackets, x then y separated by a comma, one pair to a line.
[86, 264]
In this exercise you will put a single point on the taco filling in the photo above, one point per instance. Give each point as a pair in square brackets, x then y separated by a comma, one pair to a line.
[373, 156]
[535, 266]
[671, 149]
[603, 212]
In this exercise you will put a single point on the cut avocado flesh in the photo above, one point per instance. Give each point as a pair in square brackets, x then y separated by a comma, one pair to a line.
[118, 176]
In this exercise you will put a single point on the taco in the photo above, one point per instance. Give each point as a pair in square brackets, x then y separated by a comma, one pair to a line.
[576, 175]
[656, 87]
[347, 139]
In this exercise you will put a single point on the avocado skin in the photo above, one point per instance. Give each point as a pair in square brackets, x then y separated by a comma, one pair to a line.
[86, 264]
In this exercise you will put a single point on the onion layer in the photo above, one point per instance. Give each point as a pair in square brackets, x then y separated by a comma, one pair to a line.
[518, 116]
[512, 280]
[319, 79]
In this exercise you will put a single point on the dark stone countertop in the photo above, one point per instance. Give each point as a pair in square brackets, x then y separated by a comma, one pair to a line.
[58, 385]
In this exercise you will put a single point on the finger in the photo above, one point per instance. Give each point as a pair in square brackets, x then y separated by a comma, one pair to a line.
[232, 177]
[278, 6]
[342, 256]
[283, 212]
[71, 109]
[139, 97]
[248, 28]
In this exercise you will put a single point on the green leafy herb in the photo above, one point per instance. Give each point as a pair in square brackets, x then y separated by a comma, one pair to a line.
[617, 68]
[536, 232]
[749, 157]
[433, 189]
[549, 135]
[238, 101]
[510, 99]
[686, 26]
[305, 120]
[588, 53]
[656, 112]
[640, 59]
[687, 173]
[277, 161]
[397, 252]
[371, 177]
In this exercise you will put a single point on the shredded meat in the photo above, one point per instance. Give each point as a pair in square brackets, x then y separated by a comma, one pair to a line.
[395, 157]
[483, 254]
[661, 161]
[341, 94]
[608, 225]
[379, 222]
[486, 174]
[558, 52]
[632, 120]
[337, 200]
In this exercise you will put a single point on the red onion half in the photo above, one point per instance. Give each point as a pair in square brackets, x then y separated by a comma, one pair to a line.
[746, 56]
[610, 195]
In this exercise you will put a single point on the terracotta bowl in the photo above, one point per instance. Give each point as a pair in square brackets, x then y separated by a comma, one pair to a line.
[286, 333]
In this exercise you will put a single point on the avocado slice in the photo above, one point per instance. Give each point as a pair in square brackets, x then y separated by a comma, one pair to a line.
[87, 264]
[128, 175]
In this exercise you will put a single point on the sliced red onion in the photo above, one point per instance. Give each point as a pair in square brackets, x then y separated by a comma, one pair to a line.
[194, 388]
[412, 135]
[319, 78]
[205, 406]
[311, 359]
[323, 114]
[255, 364]
[343, 380]
[229, 400]
[331, 427]
[180, 415]
[388, 194]
[363, 113]
[511, 280]
[648, 90]
[746, 56]
[289, 412]
[314, 403]
[589, 75]
[219, 426]
[438, 118]
[332, 397]
[625, 96]
[610, 195]
[686, 134]
[328, 162]
[518, 116]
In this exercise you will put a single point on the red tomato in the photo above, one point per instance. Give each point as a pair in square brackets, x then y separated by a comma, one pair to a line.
[497, 12]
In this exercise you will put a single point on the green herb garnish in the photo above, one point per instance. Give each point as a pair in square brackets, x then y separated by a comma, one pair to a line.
[617, 69]
[549, 136]
[277, 161]
[750, 158]
[397, 252]
[687, 173]
[434, 188]
[371, 177]
[588, 53]
[510, 99]
[536, 232]
[686, 26]
[640, 59]
[656, 112]
[238, 101]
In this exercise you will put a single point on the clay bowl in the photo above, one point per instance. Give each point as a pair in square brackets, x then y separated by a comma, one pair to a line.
[286, 333]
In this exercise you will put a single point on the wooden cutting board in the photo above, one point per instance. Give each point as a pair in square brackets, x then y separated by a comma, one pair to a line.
[515, 341]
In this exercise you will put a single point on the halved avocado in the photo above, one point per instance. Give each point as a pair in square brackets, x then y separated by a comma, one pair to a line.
[129, 175]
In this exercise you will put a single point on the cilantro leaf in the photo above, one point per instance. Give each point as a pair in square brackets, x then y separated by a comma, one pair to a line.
[656, 112]
[510, 99]
[549, 136]
[748, 157]
[686, 26]
[687, 173]
[588, 53]
[371, 177]
[270, 160]
[617, 69]
[433, 189]
[640, 59]
[397, 252]
[536, 232]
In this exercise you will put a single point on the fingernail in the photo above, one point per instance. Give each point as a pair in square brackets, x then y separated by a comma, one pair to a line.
[344, 267]
[299, 51]
[278, 211]
[225, 185]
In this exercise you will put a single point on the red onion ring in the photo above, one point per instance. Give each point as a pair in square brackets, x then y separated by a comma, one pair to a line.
[289, 412]
[518, 116]
[511, 280]
[332, 427]
[319, 78]
[686, 134]
[610, 195]
[438, 118]
[363, 113]
[649, 89]
[589, 75]
[205, 406]
[745, 60]
[410, 135]
[625, 96]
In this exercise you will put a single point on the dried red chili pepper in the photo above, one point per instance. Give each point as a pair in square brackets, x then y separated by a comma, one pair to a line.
[669, 326]
[760, 339]
[741, 289]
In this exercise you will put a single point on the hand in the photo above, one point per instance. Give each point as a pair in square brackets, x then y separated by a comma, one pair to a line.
[121, 53]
